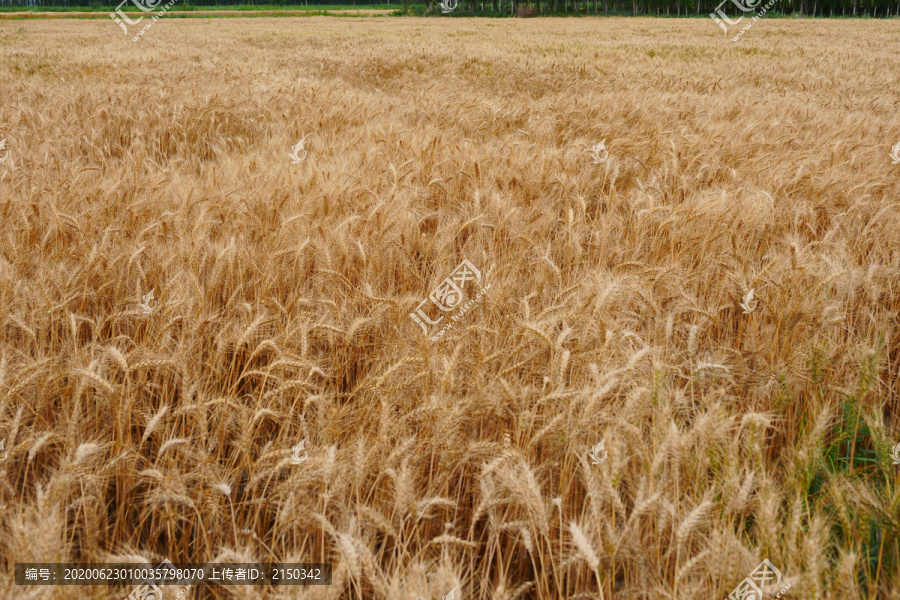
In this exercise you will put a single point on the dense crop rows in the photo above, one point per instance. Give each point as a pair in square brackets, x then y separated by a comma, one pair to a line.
[283, 293]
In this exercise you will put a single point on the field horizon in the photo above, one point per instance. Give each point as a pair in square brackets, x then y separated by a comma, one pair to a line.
[416, 10]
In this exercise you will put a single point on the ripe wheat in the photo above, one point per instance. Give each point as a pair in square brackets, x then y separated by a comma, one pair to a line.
[282, 295]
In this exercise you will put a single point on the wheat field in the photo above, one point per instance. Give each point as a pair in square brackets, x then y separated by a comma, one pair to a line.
[734, 429]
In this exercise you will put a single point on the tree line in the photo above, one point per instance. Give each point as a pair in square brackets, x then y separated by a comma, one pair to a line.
[814, 8]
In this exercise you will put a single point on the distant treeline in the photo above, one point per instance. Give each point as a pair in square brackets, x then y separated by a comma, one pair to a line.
[816, 8]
